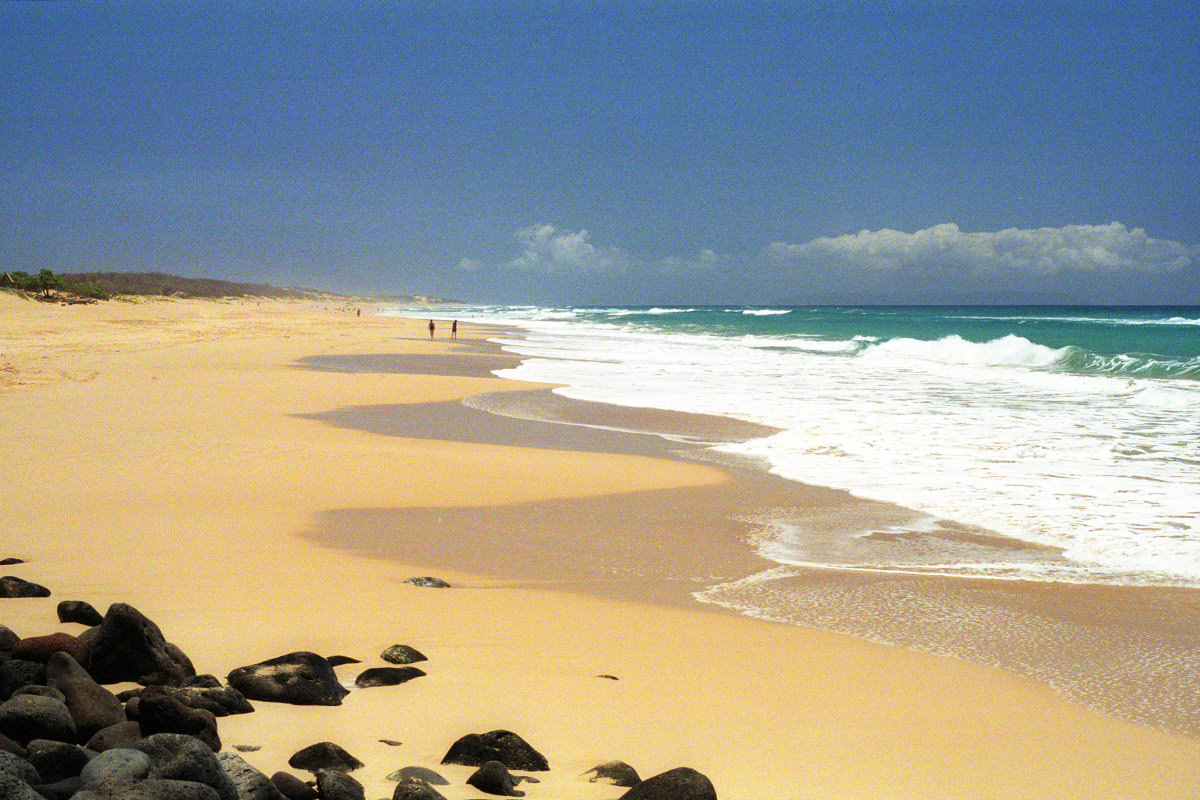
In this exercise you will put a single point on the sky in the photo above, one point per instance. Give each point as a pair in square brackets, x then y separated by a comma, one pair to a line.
[612, 152]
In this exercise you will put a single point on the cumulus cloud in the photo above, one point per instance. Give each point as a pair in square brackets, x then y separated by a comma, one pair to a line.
[1042, 251]
[550, 251]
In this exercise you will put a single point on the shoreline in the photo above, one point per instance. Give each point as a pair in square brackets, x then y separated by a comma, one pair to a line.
[1015, 625]
[183, 476]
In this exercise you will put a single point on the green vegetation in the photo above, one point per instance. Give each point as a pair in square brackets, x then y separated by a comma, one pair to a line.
[47, 286]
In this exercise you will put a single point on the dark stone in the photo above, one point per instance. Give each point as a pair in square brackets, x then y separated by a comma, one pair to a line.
[418, 773]
[128, 646]
[614, 773]
[391, 742]
[131, 707]
[8, 562]
[427, 582]
[416, 789]
[56, 761]
[19, 768]
[7, 745]
[402, 654]
[494, 778]
[93, 707]
[337, 661]
[186, 758]
[7, 639]
[247, 748]
[158, 712]
[60, 790]
[220, 701]
[149, 789]
[27, 717]
[293, 788]
[299, 678]
[79, 611]
[41, 691]
[609, 677]
[121, 735]
[18, 672]
[386, 676]
[12, 586]
[334, 785]
[13, 788]
[40, 648]
[120, 764]
[476, 749]
[205, 681]
[249, 782]
[681, 783]
[324, 755]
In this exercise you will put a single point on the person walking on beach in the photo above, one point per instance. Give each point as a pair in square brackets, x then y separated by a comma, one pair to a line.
[431, 328]
[454, 329]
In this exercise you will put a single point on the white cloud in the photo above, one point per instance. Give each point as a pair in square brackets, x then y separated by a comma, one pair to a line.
[1044, 251]
[547, 250]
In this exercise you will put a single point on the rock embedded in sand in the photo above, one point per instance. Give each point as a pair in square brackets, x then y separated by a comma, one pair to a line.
[427, 582]
[418, 773]
[416, 789]
[80, 612]
[334, 785]
[128, 646]
[292, 787]
[300, 678]
[494, 778]
[614, 773]
[337, 661]
[324, 755]
[681, 783]
[402, 654]
[386, 676]
[8, 562]
[12, 586]
[476, 749]
[26, 717]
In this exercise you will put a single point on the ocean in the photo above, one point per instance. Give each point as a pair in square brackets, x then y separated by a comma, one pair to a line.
[1077, 429]
[1029, 476]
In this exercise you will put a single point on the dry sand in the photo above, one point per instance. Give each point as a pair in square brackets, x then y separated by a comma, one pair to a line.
[164, 454]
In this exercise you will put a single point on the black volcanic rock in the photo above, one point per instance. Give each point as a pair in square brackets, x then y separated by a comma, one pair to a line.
[293, 788]
[221, 701]
[333, 785]
[681, 783]
[416, 789]
[128, 646]
[177, 756]
[158, 712]
[428, 583]
[251, 784]
[494, 778]
[324, 755]
[91, 705]
[402, 654]
[79, 611]
[301, 678]
[26, 717]
[386, 676]
[614, 773]
[476, 749]
[12, 586]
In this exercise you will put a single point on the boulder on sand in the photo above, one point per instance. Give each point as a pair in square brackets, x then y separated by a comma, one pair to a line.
[402, 654]
[79, 611]
[614, 773]
[476, 749]
[681, 783]
[128, 646]
[301, 678]
[324, 755]
[386, 676]
[12, 586]
[494, 778]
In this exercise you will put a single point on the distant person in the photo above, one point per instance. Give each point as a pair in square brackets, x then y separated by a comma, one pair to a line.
[358, 312]
[432, 328]
[454, 329]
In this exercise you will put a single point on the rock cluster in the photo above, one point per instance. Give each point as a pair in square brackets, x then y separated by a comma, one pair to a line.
[65, 736]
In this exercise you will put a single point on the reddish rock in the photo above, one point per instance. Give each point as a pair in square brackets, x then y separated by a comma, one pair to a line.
[40, 648]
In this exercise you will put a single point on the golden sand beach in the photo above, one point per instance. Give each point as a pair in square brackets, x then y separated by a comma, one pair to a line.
[171, 455]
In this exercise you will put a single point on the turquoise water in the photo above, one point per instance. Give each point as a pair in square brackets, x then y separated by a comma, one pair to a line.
[1072, 428]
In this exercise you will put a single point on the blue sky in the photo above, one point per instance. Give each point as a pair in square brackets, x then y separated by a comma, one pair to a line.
[612, 152]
